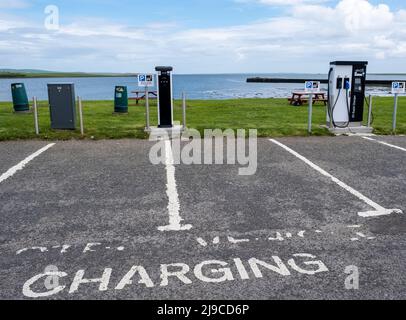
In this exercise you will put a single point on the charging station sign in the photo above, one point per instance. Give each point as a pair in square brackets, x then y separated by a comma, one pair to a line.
[398, 87]
[146, 80]
[312, 86]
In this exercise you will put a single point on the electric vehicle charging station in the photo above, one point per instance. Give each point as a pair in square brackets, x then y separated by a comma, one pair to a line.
[165, 97]
[166, 125]
[346, 95]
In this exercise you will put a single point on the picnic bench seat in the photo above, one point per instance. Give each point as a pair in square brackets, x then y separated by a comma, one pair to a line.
[140, 95]
[300, 98]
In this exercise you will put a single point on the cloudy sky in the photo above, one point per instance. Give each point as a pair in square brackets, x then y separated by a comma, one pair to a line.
[202, 36]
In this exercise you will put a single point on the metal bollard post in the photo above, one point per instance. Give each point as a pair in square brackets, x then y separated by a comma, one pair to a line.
[147, 109]
[395, 111]
[184, 109]
[36, 115]
[370, 111]
[81, 116]
[310, 113]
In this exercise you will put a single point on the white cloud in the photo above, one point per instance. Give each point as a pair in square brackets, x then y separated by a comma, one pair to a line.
[13, 4]
[360, 14]
[288, 2]
[8, 22]
[283, 2]
[104, 29]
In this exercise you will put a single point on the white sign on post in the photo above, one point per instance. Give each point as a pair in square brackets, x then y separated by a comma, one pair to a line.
[398, 87]
[146, 80]
[312, 86]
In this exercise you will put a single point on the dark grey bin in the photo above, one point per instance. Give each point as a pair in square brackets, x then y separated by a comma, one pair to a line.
[62, 106]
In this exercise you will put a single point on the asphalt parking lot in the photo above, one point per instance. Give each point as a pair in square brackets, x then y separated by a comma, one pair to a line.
[84, 219]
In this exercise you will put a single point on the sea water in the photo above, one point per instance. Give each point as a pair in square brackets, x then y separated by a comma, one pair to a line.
[208, 86]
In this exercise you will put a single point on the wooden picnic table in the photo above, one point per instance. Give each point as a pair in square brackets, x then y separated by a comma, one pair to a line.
[140, 95]
[302, 97]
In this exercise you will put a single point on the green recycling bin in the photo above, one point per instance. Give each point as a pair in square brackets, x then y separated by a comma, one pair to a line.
[20, 99]
[120, 99]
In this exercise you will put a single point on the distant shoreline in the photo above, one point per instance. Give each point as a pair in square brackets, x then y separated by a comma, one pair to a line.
[22, 75]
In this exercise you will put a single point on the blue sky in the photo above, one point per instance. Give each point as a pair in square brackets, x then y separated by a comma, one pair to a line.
[203, 36]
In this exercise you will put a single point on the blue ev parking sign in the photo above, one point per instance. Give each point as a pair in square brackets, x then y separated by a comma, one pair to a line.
[145, 80]
[398, 87]
[312, 86]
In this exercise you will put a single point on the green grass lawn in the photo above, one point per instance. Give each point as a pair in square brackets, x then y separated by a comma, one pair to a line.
[272, 118]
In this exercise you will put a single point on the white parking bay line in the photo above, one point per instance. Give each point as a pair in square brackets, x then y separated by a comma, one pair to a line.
[384, 143]
[172, 193]
[10, 172]
[379, 210]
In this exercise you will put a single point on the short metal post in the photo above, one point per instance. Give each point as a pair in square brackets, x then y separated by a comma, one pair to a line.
[395, 111]
[310, 113]
[147, 108]
[81, 116]
[370, 111]
[184, 109]
[36, 116]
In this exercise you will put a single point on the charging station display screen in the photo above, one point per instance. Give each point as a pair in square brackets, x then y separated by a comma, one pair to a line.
[358, 85]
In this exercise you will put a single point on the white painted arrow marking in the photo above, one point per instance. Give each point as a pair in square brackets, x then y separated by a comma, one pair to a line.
[379, 210]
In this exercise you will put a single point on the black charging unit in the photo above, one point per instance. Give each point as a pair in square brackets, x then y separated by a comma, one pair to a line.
[165, 97]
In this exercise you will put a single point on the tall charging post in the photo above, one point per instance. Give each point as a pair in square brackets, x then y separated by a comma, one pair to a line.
[165, 97]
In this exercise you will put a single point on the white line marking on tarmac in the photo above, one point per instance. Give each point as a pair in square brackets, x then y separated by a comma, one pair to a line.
[301, 234]
[385, 143]
[236, 241]
[172, 193]
[10, 172]
[202, 242]
[379, 210]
